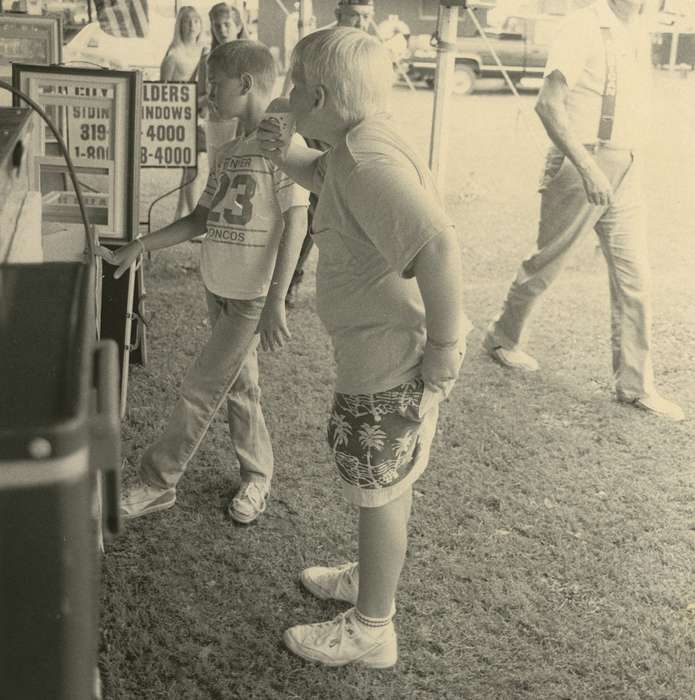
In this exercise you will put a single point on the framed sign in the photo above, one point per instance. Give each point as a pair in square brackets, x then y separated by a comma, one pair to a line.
[169, 119]
[28, 39]
[97, 113]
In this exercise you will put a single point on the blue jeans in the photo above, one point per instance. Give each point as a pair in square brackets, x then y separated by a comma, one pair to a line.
[621, 228]
[227, 367]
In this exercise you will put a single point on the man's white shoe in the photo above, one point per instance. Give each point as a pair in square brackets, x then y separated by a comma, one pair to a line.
[332, 583]
[249, 502]
[514, 359]
[659, 406]
[344, 641]
[141, 499]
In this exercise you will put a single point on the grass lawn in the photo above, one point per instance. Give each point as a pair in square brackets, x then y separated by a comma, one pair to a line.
[552, 543]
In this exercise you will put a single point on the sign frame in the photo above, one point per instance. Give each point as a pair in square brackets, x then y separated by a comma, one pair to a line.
[118, 162]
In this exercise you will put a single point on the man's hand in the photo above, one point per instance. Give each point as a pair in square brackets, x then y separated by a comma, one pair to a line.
[273, 144]
[441, 365]
[272, 326]
[596, 185]
[122, 258]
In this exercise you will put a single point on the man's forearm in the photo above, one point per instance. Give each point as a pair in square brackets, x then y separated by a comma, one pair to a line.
[551, 108]
[554, 117]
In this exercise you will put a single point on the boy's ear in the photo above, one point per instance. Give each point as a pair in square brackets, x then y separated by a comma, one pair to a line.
[319, 96]
[246, 83]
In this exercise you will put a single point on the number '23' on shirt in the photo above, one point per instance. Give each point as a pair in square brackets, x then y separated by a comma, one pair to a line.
[246, 196]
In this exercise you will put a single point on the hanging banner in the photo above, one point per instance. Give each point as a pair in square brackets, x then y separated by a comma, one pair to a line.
[169, 119]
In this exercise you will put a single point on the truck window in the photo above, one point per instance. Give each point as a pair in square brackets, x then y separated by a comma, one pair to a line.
[513, 28]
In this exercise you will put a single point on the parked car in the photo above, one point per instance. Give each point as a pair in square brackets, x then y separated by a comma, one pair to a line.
[93, 46]
[520, 42]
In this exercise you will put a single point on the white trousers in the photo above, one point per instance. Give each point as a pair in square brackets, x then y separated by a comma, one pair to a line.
[566, 215]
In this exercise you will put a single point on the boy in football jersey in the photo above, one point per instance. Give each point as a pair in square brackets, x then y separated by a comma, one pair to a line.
[254, 218]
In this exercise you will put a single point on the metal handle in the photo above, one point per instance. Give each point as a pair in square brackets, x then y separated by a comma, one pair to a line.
[105, 430]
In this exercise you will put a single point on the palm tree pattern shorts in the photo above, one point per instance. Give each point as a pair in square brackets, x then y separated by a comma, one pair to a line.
[378, 443]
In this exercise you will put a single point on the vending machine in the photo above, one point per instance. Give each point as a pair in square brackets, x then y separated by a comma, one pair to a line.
[98, 114]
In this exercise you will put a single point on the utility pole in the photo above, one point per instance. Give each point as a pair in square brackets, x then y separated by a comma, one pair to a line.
[447, 30]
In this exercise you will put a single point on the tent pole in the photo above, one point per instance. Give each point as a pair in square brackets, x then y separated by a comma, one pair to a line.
[447, 29]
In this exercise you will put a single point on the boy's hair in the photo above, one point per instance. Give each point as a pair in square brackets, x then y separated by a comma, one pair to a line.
[246, 56]
[354, 68]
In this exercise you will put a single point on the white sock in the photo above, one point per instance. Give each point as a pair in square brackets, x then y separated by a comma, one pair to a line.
[372, 625]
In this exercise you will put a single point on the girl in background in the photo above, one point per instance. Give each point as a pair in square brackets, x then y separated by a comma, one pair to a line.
[181, 63]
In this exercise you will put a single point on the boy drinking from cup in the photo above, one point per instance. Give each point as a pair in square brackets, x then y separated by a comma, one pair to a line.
[389, 294]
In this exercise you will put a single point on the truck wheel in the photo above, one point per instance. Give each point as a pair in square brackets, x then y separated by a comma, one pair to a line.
[464, 79]
[430, 83]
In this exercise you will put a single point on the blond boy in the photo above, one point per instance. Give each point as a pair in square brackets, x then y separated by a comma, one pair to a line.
[389, 294]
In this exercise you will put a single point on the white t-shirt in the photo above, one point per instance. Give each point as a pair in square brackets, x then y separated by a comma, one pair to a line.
[246, 196]
[578, 52]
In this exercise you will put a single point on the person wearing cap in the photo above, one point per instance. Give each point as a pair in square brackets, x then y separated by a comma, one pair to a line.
[355, 13]
[593, 107]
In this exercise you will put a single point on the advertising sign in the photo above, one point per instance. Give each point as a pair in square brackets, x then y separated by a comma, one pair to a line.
[28, 39]
[97, 113]
[169, 118]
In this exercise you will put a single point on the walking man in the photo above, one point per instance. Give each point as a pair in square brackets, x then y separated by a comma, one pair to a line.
[592, 105]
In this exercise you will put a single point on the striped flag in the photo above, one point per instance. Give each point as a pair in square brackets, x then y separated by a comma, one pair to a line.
[123, 17]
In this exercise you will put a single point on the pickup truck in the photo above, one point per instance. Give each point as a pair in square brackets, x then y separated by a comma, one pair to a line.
[520, 42]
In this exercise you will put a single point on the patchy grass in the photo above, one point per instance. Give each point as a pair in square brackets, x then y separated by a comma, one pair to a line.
[552, 540]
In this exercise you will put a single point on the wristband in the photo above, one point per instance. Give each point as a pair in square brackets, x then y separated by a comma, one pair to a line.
[142, 245]
[443, 346]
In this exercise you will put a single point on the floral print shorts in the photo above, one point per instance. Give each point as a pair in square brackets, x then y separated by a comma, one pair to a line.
[379, 441]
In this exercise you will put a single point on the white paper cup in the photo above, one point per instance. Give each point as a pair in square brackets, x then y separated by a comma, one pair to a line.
[278, 112]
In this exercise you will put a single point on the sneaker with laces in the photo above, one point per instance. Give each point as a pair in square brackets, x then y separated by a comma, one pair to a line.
[141, 499]
[514, 359]
[342, 641]
[250, 501]
[332, 582]
[657, 405]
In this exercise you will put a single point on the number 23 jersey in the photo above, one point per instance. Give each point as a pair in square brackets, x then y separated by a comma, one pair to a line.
[246, 196]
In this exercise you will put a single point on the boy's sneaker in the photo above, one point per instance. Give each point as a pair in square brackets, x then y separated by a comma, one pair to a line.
[141, 499]
[344, 641]
[249, 502]
[332, 583]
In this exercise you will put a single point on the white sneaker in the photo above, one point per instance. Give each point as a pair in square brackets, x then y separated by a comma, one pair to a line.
[141, 499]
[250, 501]
[332, 583]
[344, 641]
[658, 405]
[514, 359]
